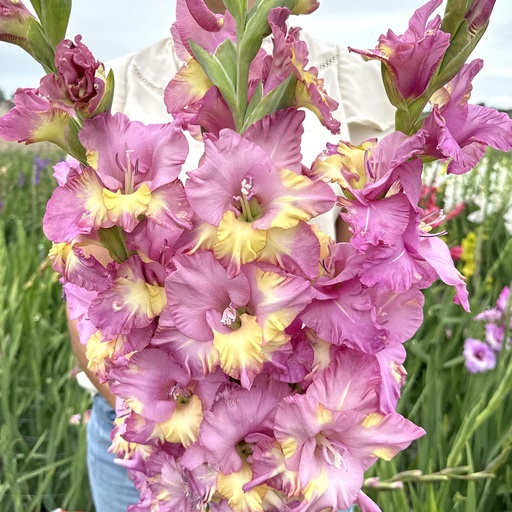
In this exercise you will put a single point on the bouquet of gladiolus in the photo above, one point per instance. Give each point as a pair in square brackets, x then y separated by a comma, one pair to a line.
[257, 362]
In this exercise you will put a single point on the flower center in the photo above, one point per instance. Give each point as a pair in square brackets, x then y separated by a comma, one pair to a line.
[179, 394]
[249, 206]
[231, 317]
[129, 171]
[430, 221]
[244, 449]
[228, 316]
[330, 452]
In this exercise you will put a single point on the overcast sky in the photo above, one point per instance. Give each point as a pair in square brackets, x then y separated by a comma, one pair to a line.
[112, 28]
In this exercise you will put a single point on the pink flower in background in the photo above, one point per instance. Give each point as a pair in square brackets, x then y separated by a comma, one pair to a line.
[502, 301]
[479, 356]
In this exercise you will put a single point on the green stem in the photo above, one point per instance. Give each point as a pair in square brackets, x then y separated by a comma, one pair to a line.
[242, 84]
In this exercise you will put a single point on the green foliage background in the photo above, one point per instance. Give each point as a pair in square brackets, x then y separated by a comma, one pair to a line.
[42, 456]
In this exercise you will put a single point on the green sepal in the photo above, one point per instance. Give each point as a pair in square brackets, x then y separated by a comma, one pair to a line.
[219, 74]
[36, 4]
[108, 96]
[40, 48]
[226, 54]
[257, 27]
[280, 97]
[54, 16]
[113, 240]
[72, 143]
[454, 14]
[457, 54]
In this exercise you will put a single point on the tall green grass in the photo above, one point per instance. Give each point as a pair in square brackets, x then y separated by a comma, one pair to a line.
[42, 456]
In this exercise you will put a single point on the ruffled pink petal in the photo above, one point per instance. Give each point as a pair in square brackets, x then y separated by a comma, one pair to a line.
[279, 136]
[400, 313]
[147, 383]
[131, 301]
[169, 206]
[190, 296]
[156, 151]
[349, 383]
[437, 254]
[296, 250]
[235, 415]
[346, 319]
[76, 208]
[378, 223]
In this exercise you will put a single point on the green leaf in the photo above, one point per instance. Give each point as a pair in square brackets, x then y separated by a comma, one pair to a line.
[280, 97]
[256, 98]
[54, 18]
[216, 72]
[36, 4]
[237, 8]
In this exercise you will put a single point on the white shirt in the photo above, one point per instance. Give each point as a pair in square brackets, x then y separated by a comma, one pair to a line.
[364, 111]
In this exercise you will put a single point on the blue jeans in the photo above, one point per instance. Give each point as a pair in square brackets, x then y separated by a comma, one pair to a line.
[112, 489]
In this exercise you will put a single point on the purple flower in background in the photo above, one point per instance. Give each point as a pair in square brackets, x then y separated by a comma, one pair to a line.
[479, 356]
[494, 334]
[21, 180]
[40, 164]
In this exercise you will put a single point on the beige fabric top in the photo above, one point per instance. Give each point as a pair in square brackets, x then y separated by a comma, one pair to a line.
[363, 111]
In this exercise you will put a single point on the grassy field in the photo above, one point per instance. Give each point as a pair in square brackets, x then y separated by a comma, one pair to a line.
[42, 456]
[462, 465]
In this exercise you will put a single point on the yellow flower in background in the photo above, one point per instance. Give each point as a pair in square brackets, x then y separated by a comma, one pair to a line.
[468, 245]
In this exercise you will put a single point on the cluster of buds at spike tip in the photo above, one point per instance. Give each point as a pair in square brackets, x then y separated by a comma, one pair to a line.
[428, 55]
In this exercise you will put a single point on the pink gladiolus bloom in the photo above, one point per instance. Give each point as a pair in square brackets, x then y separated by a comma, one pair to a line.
[238, 418]
[80, 80]
[334, 432]
[87, 272]
[35, 119]
[290, 56]
[479, 356]
[237, 313]
[460, 132]
[239, 189]
[135, 298]
[133, 173]
[413, 57]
